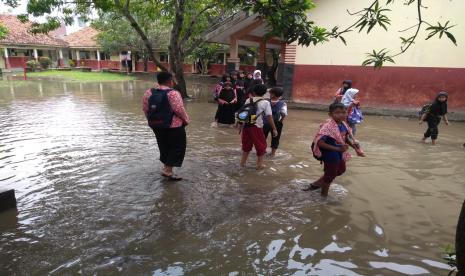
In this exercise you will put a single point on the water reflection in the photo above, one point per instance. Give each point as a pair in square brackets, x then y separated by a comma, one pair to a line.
[90, 199]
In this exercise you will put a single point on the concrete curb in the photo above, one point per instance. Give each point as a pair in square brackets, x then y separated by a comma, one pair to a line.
[408, 112]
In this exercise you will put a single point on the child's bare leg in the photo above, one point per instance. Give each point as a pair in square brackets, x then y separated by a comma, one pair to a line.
[433, 141]
[260, 162]
[325, 188]
[273, 152]
[245, 156]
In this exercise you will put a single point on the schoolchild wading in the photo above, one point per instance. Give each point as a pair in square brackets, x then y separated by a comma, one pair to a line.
[279, 110]
[331, 145]
[251, 116]
[433, 115]
[166, 116]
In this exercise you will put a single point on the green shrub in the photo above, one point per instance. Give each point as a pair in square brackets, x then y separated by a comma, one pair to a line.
[45, 62]
[72, 63]
[33, 64]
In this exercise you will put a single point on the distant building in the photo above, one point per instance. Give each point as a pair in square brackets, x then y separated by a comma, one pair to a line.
[80, 47]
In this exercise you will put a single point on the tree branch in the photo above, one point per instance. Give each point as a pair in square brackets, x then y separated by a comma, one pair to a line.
[126, 13]
[194, 19]
[412, 40]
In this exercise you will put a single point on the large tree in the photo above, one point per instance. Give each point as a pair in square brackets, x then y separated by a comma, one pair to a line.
[187, 19]
[116, 35]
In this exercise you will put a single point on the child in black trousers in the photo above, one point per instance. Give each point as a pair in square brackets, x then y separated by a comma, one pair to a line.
[279, 109]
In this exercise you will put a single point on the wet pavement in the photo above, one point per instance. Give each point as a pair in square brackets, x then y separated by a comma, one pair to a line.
[91, 200]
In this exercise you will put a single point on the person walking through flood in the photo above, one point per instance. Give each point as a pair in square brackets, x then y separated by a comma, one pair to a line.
[251, 116]
[227, 100]
[433, 115]
[347, 84]
[164, 109]
[237, 82]
[247, 80]
[257, 79]
[330, 147]
[352, 103]
[279, 110]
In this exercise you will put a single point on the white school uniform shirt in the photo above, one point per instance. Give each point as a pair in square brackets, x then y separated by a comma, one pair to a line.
[263, 109]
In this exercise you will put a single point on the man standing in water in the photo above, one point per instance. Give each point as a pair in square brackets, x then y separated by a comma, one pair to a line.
[166, 116]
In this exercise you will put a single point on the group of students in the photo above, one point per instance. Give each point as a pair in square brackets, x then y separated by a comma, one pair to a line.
[257, 117]
[243, 94]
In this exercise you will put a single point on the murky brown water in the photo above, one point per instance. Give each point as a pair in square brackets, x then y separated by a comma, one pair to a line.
[90, 200]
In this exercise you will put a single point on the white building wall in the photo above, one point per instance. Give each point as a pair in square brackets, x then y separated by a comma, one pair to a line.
[431, 53]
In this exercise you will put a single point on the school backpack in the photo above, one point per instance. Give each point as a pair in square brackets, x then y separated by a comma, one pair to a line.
[247, 114]
[160, 114]
[216, 90]
[424, 110]
[356, 116]
[319, 158]
[276, 109]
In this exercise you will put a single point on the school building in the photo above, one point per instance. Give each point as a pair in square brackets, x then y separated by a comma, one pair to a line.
[313, 74]
[79, 49]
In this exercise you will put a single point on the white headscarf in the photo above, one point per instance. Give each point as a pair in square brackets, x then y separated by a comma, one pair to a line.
[255, 73]
[349, 96]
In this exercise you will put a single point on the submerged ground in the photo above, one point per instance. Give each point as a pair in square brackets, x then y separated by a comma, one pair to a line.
[90, 199]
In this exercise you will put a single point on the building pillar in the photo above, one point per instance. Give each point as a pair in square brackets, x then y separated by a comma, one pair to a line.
[286, 70]
[7, 59]
[78, 59]
[233, 60]
[98, 60]
[36, 56]
[60, 58]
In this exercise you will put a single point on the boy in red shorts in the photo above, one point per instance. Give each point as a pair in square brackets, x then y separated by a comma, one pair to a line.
[252, 134]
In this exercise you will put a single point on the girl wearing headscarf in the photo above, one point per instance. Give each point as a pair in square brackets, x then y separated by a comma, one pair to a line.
[351, 101]
[257, 79]
[226, 105]
[346, 85]
[433, 116]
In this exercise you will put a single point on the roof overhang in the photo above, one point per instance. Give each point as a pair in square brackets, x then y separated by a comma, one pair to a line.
[248, 29]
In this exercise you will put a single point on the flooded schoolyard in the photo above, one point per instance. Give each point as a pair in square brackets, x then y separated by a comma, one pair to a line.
[91, 200]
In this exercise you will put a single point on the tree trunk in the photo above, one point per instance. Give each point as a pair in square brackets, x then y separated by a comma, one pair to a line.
[272, 70]
[146, 63]
[127, 14]
[460, 242]
[176, 51]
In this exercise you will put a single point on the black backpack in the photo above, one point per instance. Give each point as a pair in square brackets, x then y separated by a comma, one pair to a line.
[247, 114]
[160, 114]
[425, 109]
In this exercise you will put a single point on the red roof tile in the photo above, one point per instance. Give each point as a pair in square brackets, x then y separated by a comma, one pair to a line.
[85, 38]
[19, 34]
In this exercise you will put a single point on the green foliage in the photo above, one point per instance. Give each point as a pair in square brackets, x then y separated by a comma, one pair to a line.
[288, 19]
[33, 64]
[82, 76]
[116, 34]
[205, 53]
[441, 30]
[72, 63]
[378, 59]
[3, 31]
[45, 62]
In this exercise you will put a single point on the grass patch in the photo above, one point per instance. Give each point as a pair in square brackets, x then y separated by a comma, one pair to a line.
[82, 76]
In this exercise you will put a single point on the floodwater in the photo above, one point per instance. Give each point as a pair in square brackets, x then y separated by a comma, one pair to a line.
[91, 200]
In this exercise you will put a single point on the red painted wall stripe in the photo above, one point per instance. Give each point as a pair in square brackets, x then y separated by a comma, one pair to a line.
[389, 87]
